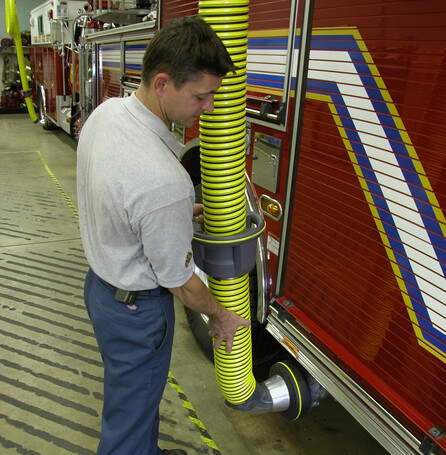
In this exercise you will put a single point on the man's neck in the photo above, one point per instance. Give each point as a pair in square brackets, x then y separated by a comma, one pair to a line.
[149, 99]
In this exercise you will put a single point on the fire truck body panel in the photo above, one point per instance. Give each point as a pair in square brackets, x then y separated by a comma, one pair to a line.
[177, 8]
[354, 252]
[365, 249]
[47, 64]
[383, 319]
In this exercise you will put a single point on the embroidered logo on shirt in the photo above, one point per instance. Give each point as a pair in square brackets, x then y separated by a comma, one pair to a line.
[188, 258]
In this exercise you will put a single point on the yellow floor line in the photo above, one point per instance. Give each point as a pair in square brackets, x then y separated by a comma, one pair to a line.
[59, 186]
[205, 437]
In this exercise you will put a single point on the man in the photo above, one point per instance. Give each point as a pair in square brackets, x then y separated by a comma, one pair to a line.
[136, 204]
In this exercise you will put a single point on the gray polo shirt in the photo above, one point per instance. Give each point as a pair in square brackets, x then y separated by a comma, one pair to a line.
[135, 198]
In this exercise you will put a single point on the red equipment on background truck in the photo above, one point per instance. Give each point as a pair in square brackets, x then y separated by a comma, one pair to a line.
[346, 161]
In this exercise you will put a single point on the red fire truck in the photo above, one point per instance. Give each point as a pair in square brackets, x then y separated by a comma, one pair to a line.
[346, 162]
[53, 29]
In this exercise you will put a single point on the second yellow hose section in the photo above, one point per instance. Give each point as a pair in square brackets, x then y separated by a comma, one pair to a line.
[222, 154]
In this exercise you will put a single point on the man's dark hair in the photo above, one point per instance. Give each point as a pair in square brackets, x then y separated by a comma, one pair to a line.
[183, 49]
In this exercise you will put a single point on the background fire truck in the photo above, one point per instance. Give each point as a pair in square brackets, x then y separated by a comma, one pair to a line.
[53, 39]
[345, 160]
[56, 27]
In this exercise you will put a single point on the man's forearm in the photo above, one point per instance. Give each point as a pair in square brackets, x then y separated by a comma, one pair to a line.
[222, 323]
[195, 295]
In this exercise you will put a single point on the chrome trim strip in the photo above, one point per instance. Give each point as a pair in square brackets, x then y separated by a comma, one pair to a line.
[41, 89]
[290, 47]
[261, 261]
[301, 83]
[121, 67]
[143, 26]
[130, 85]
[390, 433]
[262, 280]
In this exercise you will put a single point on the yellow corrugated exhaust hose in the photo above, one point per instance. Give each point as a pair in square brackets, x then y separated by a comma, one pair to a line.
[12, 28]
[222, 154]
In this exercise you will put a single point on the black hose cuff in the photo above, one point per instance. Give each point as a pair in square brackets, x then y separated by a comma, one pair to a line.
[258, 403]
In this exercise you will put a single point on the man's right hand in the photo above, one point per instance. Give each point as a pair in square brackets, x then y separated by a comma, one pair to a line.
[222, 323]
[225, 327]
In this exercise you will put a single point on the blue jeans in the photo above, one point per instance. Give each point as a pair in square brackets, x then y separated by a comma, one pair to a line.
[136, 346]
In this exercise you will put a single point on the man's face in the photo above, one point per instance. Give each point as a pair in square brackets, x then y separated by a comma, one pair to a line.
[184, 106]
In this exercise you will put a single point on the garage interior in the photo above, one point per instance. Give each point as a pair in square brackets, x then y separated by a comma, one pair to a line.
[51, 370]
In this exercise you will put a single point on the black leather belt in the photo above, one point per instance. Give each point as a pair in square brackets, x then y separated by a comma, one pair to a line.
[127, 297]
[156, 291]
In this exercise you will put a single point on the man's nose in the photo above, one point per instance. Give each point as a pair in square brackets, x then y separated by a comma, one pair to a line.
[209, 103]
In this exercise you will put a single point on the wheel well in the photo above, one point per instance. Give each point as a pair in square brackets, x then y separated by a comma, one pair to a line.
[190, 160]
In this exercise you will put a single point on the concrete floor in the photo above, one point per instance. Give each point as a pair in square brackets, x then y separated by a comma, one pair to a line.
[50, 369]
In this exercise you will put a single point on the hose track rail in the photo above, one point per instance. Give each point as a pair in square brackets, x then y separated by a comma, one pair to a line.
[50, 367]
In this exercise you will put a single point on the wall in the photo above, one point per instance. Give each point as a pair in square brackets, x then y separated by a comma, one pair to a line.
[23, 9]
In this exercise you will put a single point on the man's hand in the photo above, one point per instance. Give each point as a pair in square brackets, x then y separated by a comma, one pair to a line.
[198, 208]
[225, 326]
[198, 213]
[222, 322]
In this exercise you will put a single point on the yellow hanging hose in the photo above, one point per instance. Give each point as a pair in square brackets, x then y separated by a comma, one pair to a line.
[12, 28]
[222, 154]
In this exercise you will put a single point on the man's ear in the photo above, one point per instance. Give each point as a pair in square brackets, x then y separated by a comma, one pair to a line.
[160, 83]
